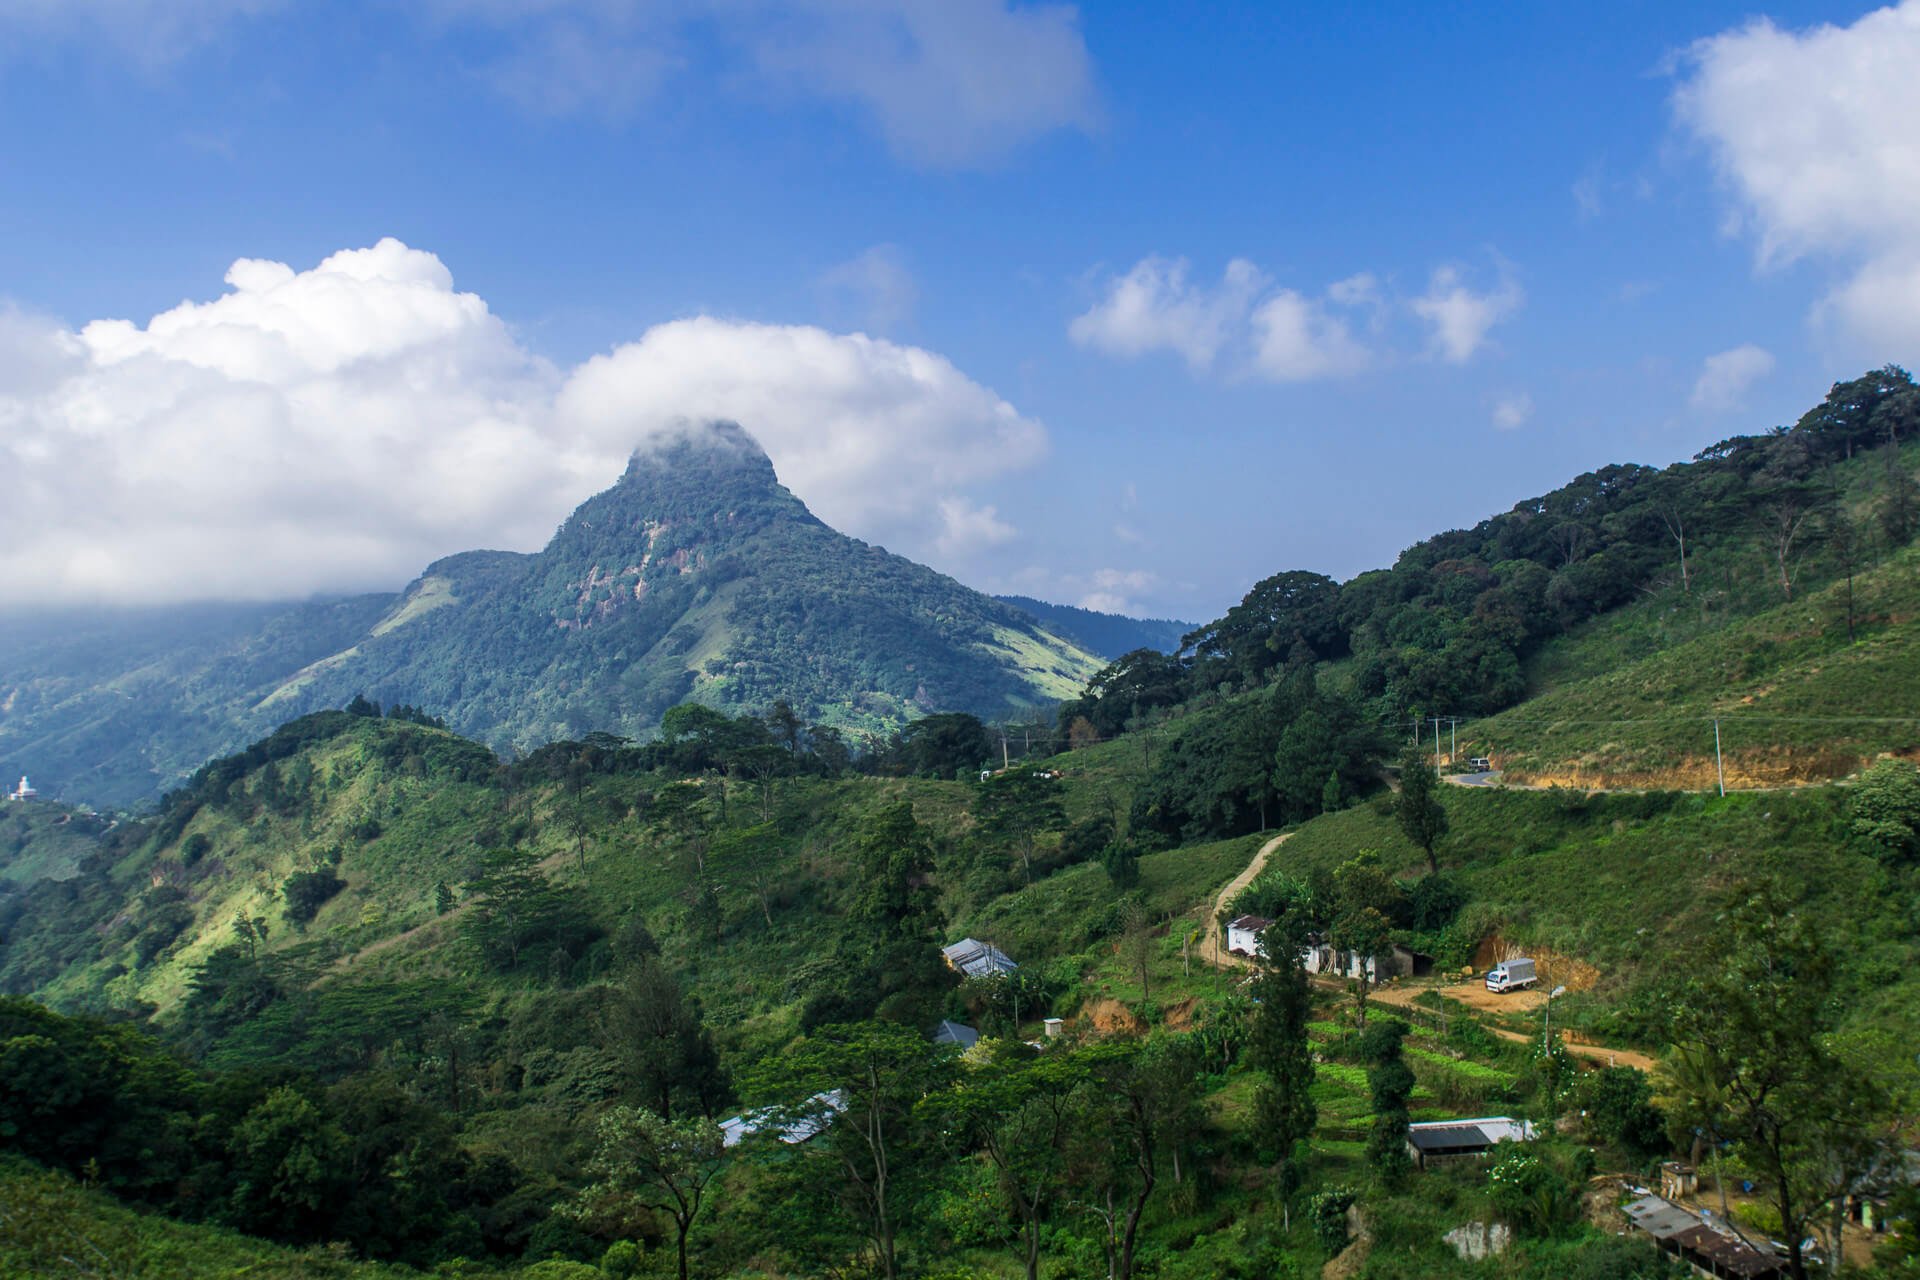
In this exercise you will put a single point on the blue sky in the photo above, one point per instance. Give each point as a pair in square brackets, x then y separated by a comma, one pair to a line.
[1156, 302]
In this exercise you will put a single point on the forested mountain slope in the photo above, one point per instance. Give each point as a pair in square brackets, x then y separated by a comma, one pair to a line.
[696, 577]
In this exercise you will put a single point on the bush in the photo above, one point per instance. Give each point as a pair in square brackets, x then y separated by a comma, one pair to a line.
[1328, 1212]
[305, 892]
[1531, 1195]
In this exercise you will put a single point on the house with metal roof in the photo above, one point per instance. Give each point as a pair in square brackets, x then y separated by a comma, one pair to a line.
[1709, 1248]
[976, 959]
[1440, 1140]
[956, 1033]
[812, 1119]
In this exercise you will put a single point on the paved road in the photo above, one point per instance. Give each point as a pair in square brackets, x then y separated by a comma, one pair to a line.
[1486, 779]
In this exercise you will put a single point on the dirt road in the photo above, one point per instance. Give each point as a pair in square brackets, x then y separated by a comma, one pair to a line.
[1210, 949]
[1479, 999]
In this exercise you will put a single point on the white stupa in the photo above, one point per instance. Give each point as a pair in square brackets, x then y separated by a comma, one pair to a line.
[24, 791]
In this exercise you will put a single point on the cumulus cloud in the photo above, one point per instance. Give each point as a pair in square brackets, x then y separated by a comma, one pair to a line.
[1725, 378]
[1512, 411]
[337, 428]
[1459, 317]
[1282, 335]
[952, 84]
[1811, 131]
[1296, 338]
[1243, 327]
[875, 286]
[1154, 307]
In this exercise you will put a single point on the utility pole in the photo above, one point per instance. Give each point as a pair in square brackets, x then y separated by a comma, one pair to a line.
[1453, 737]
[1719, 767]
[1436, 742]
[1005, 762]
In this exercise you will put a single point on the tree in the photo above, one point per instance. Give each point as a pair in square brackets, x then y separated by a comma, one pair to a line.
[1277, 1044]
[1020, 1114]
[1140, 1095]
[1418, 807]
[870, 1143]
[513, 906]
[644, 1162]
[1016, 809]
[889, 961]
[666, 1054]
[1884, 809]
[289, 1164]
[1798, 1113]
[1390, 1081]
[752, 854]
[1619, 1104]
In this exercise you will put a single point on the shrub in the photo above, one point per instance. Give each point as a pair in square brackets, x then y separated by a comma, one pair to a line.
[1328, 1212]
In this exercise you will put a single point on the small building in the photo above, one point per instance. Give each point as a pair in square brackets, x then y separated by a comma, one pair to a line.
[1709, 1248]
[972, 958]
[24, 791]
[1434, 1141]
[1409, 963]
[956, 1033]
[812, 1120]
[1316, 956]
[1243, 935]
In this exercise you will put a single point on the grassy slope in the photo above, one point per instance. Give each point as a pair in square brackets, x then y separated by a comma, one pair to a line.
[1631, 885]
[1788, 687]
[44, 841]
[50, 1226]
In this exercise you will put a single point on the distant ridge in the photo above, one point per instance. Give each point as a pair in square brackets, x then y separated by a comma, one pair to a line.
[1107, 634]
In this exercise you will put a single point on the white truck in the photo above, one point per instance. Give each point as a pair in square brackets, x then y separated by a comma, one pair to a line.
[1511, 975]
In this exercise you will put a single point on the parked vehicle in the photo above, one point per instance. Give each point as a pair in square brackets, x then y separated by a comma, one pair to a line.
[1480, 764]
[1511, 975]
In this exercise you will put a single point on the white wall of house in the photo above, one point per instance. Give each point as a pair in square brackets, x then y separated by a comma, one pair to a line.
[1245, 941]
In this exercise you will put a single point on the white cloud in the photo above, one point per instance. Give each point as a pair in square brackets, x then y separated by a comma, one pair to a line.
[965, 527]
[1812, 132]
[339, 427]
[1284, 336]
[1458, 317]
[1296, 338]
[1116, 590]
[1725, 378]
[876, 285]
[1244, 328]
[948, 83]
[1153, 307]
[1512, 411]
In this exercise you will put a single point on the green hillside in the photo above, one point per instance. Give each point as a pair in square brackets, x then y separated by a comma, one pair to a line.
[1797, 698]
[415, 938]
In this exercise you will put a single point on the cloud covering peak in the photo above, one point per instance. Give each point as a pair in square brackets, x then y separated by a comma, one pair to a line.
[337, 428]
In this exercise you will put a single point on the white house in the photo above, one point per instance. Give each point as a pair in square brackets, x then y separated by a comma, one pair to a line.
[1243, 935]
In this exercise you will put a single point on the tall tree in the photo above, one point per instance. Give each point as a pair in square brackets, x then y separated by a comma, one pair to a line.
[1020, 1115]
[1794, 1108]
[643, 1162]
[1418, 807]
[1277, 1044]
[1390, 1081]
[857, 1085]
